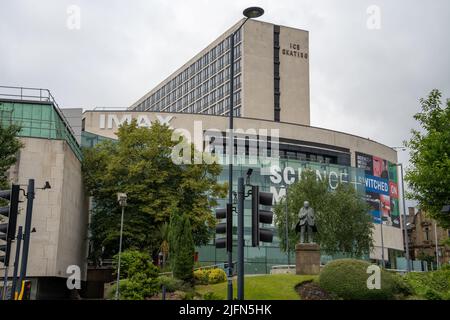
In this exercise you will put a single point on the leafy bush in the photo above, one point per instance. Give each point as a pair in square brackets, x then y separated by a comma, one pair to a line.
[401, 285]
[201, 276]
[137, 287]
[209, 276]
[170, 283]
[140, 273]
[216, 275]
[434, 285]
[211, 296]
[347, 278]
[133, 262]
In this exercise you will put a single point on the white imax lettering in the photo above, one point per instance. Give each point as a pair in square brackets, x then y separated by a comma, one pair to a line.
[112, 120]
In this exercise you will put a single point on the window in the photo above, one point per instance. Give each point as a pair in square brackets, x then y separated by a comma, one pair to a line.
[426, 233]
[237, 51]
[237, 66]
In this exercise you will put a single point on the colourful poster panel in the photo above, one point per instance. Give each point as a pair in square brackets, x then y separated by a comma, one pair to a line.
[381, 185]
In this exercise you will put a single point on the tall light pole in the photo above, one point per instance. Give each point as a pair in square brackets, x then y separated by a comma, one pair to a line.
[436, 245]
[405, 230]
[122, 199]
[249, 13]
[286, 229]
[381, 229]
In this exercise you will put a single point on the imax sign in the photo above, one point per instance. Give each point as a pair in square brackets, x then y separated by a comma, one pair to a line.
[113, 120]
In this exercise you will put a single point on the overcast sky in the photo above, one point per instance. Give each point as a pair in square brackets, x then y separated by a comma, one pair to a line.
[364, 81]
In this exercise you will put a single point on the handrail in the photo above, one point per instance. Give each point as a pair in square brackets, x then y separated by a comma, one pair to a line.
[41, 98]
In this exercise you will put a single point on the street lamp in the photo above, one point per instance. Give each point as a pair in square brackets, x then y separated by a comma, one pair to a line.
[405, 231]
[381, 230]
[122, 199]
[249, 13]
[286, 187]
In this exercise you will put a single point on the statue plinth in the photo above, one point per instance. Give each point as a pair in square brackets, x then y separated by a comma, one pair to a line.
[307, 258]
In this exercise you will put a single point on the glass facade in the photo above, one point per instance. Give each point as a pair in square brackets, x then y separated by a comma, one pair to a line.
[202, 87]
[261, 260]
[38, 120]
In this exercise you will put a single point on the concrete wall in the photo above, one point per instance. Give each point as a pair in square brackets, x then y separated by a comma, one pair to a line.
[74, 116]
[294, 76]
[59, 216]
[286, 130]
[257, 71]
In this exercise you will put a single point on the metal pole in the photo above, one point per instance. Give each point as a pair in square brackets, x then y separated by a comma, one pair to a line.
[230, 161]
[382, 240]
[240, 270]
[405, 230]
[27, 233]
[16, 264]
[287, 227]
[120, 251]
[436, 244]
[5, 283]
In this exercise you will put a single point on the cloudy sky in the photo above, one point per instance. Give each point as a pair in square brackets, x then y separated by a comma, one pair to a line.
[364, 80]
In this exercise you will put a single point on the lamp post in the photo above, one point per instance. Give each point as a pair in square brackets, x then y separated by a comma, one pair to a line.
[122, 199]
[436, 245]
[381, 230]
[286, 187]
[249, 13]
[405, 230]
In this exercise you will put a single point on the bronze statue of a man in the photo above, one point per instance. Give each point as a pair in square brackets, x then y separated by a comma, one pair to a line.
[306, 223]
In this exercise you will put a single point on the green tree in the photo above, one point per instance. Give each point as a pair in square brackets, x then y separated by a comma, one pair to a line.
[182, 248]
[9, 146]
[139, 163]
[345, 225]
[308, 188]
[342, 216]
[429, 174]
[133, 262]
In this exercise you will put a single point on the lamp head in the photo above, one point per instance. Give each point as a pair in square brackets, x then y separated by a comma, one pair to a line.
[253, 12]
[122, 199]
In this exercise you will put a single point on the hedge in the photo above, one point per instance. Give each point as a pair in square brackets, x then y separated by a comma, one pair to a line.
[347, 279]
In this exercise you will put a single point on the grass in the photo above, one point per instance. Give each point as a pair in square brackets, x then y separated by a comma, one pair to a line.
[264, 287]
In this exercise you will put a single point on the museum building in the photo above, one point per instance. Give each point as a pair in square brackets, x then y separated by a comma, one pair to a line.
[271, 99]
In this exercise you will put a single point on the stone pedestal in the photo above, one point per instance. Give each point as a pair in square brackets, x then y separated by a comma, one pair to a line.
[307, 258]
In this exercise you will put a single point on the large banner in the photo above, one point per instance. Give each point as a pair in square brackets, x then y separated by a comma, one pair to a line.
[381, 185]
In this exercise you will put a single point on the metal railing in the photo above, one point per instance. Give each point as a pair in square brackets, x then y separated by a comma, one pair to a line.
[35, 95]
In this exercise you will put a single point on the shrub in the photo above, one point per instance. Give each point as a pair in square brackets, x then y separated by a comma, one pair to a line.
[170, 283]
[401, 285]
[201, 276]
[133, 262]
[211, 296]
[209, 276]
[216, 275]
[137, 287]
[430, 285]
[347, 278]
[140, 273]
